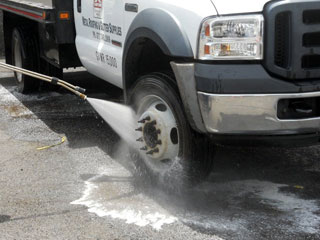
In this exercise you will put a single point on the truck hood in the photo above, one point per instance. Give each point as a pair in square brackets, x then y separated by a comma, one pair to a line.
[239, 6]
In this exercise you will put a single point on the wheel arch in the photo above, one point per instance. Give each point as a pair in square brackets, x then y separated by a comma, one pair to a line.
[169, 37]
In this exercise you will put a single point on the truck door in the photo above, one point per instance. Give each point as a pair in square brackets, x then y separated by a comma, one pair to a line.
[99, 38]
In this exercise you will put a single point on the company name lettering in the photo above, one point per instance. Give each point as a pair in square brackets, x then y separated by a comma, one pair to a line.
[99, 25]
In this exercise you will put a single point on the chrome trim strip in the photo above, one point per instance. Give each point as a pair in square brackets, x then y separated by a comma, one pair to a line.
[184, 73]
[252, 114]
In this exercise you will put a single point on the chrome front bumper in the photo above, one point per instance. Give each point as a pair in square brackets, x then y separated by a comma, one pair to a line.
[254, 114]
[238, 114]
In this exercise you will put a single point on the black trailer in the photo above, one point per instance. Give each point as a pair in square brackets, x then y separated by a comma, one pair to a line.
[44, 32]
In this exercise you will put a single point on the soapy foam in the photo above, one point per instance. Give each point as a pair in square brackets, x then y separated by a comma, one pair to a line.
[117, 199]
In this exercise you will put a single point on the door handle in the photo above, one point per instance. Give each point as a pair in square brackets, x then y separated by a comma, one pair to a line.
[79, 3]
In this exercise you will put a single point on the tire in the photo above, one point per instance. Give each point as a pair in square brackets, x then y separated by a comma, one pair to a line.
[52, 71]
[188, 158]
[25, 54]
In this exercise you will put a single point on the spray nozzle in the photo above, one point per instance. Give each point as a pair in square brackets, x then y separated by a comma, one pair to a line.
[81, 90]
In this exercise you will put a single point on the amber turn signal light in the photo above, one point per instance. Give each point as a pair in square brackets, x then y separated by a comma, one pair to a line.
[64, 15]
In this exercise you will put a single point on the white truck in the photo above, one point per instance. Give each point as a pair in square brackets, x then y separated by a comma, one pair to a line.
[196, 72]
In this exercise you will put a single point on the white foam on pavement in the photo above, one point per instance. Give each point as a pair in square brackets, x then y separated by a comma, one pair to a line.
[111, 194]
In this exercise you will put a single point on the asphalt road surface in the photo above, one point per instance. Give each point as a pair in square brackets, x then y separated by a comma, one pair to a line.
[87, 188]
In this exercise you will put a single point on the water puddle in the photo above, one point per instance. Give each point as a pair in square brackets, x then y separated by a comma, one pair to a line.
[245, 207]
[12, 105]
[237, 206]
[112, 194]
[232, 206]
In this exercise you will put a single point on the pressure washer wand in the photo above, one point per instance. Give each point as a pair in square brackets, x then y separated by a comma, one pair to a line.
[53, 80]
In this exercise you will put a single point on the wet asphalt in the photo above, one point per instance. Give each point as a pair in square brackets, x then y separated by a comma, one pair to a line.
[87, 187]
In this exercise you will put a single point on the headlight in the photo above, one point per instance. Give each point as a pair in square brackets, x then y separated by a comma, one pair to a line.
[232, 38]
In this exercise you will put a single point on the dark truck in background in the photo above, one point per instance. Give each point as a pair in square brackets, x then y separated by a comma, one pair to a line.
[48, 32]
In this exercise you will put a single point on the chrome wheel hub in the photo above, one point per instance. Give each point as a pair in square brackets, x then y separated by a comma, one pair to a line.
[158, 132]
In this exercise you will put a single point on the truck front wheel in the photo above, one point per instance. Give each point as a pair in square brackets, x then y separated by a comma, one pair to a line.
[25, 55]
[171, 152]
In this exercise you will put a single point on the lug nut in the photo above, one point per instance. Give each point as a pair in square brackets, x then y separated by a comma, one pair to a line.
[156, 150]
[159, 142]
[154, 122]
[150, 152]
[144, 120]
[158, 131]
[140, 139]
[144, 148]
[139, 129]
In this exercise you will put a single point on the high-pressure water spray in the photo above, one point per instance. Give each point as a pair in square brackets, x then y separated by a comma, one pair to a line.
[153, 138]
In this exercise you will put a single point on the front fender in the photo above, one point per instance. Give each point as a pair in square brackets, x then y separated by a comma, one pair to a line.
[163, 28]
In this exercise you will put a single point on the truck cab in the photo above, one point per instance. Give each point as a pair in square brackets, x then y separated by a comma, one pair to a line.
[203, 72]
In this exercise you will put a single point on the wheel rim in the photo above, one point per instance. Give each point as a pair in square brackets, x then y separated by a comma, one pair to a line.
[158, 133]
[18, 59]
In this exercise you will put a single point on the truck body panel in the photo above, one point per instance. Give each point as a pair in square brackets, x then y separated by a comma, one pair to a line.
[36, 10]
[270, 99]
[46, 4]
[234, 7]
[100, 38]
[100, 50]
[185, 13]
